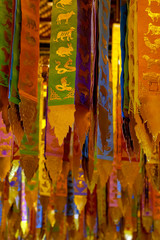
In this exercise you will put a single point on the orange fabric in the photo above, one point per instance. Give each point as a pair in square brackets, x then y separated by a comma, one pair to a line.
[29, 56]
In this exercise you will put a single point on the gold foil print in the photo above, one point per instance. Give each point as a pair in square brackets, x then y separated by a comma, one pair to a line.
[64, 85]
[65, 16]
[63, 51]
[151, 61]
[66, 68]
[153, 46]
[152, 15]
[65, 34]
[153, 29]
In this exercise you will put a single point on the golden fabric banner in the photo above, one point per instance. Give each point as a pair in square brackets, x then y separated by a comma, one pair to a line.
[149, 70]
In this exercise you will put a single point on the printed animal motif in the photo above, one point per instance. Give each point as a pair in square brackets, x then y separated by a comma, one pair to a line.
[152, 15]
[7, 7]
[68, 34]
[103, 95]
[84, 74]
[153, 46]
[66, 68]
[7, 55]
[63, 51]
[29, 59]
[104, 76]
[31, 40]
[65, 16]
[105, 9]
[86, 7]
[32, 6]
[155, 30]
[104, 42]
[151, 61]
[5, 69]
[63, 3]
[64, 85]
[109, 4]
[104, 25]
[31, 23]
[8, 24]
[151, 76]
[83, 89]
[105, 58]
[149, 1]
[7, 39]
[85, 58]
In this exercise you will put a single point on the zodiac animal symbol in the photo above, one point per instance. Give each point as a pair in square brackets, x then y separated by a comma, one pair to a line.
[8, 24]
[63, 51]
[104, 42]
[7, 39]
[149, 1]
[153, 46]
[105, 9]
[151, 61]
[105, 58]
[83, 90]
[104, 76]
[152, 15]
[85, 58]
[64, 85]
[29, 59]
[5, 69]
[68, 34]
[31, 40]
[84, 74]
[7, 55]
[67, 67]
[65, 17]
[31, 23]
[103, 95]
[151, 76]
[63, 3]
[32, 6]
[7, 7]
[104, 25]
[154, 29]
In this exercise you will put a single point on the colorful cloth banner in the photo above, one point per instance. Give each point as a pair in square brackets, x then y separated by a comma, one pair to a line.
[105, 120]
[123, 34]
[5, 41]
[61, 86]
[148, 64]
[84, 64]
[28, 75]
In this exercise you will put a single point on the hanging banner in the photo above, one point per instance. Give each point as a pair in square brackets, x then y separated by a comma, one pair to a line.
[123, 34]
[84, 62]
[148, 64]
[5, 41]
[29, 148]
[5, 55]
[28, 75]
[14, 115]
[105, 118]
[62, 72]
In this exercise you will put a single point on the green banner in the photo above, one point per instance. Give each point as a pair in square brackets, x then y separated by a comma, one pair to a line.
[63, 50]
